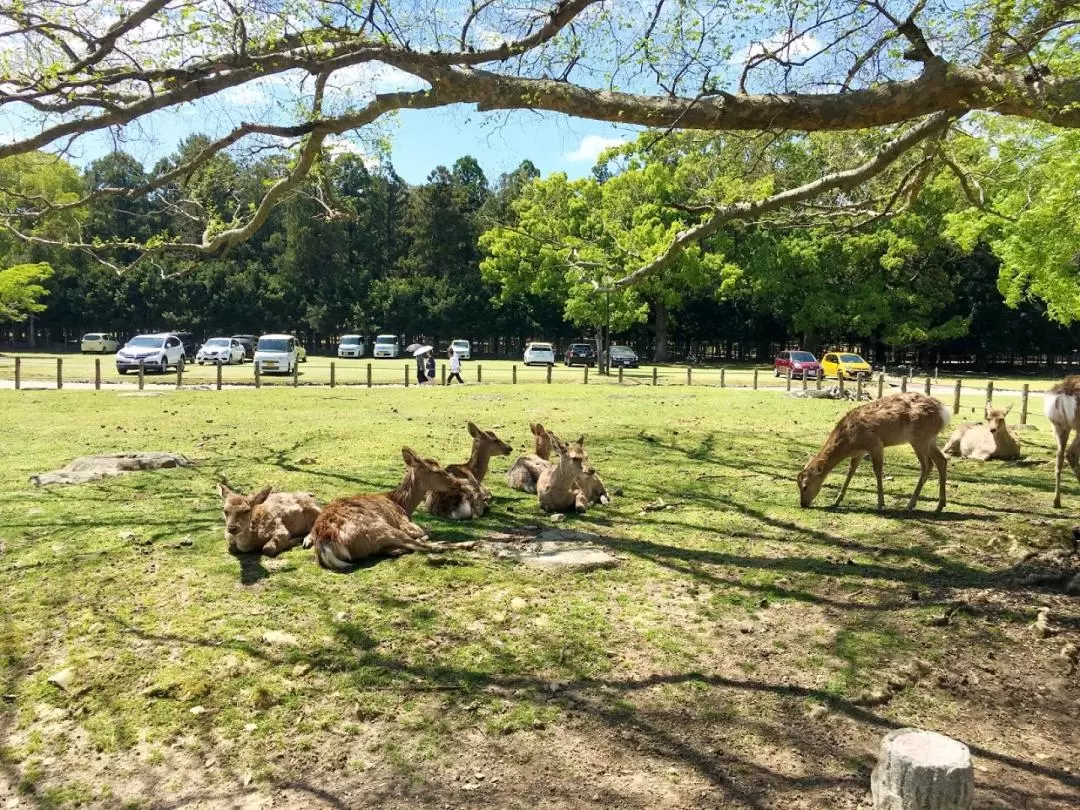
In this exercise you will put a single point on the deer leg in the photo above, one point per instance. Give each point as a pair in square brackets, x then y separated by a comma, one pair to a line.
[855, 461]
[924, 462]
[1072, 456]
[1062, 434]
[877, 460]
[279, 541]
[942, 463]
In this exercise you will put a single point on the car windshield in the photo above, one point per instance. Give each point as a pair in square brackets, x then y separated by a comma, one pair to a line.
[802, 357]
[621, 350]
[851, 358]
[217, 342]
[273, 345]
[541, 347]
[146, 342]
[462, 343]
[580, 347]
[92, 336]
[350, 340]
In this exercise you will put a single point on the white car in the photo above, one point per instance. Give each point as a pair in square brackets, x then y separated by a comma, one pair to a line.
[540, 354]
[220, 350]
[387, 346]
[155, 352]
[99, 343]
[351, 346]
[276, 354]
[462, 349]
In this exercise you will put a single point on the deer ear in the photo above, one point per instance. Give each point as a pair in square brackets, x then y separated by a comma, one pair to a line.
[473, 430]
[986, 410]
[410, 457]
[223, 490]
[559, 444]
[536, 428]
[1009, 408]
[581, 439]
[261, 495]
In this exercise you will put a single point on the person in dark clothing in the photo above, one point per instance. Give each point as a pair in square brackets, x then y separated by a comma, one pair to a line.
[430, 366]
[421, 377]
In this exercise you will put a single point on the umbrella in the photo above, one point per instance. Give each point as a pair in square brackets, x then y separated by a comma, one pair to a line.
[412, 347]
[419, 350]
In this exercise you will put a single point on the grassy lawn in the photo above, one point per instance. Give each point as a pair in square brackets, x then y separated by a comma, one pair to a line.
[745, 653]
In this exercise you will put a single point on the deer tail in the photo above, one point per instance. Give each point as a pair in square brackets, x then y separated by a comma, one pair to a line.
[332, 556]
[1060, 409]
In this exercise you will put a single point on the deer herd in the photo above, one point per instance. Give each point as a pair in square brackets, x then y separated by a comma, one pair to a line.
[350, 529]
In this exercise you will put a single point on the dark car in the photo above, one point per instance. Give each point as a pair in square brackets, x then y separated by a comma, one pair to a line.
[802, 364]
[580, 354]
[248, 342]
[191, 346]
[622, 356]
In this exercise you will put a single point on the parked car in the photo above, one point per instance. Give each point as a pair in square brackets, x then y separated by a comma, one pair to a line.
[539, 354]
[461, 348]
[248, 342]
[276, 354]
[220, 350]
[580, 353]
[351, 346]
[191, 346]
[155, 352]
[386, 346]
[99, 343]
[802, 364]
[622, 356]
[850, 365]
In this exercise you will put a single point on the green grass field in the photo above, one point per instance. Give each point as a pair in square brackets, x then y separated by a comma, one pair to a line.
[744, 654]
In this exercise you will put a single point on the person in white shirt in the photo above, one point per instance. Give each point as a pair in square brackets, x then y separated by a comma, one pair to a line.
[455, 367]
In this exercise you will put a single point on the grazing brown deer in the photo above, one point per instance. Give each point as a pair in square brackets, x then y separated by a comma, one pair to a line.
[914, 419]
[270, 522]
[472, 499]
[1060, 408]
[563, 486]
[526, 471]
[350, 529]
[982, 442]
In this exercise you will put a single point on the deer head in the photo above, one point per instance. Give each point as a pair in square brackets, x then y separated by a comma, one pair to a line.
[541, 440]
[426, 473]
[995, 418]
[572, 455]
[487, 442]
[810, 480]
[237, 510]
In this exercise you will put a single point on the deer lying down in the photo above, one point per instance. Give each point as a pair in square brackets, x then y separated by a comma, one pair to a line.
[982, 442]
[567, 485]
[266, 522]
[472, 499]
[528, 469]
[350, 529]
[914, 419]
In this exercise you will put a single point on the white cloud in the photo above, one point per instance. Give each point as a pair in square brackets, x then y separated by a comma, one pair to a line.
[786, 45]
[342, 145]
[590, 148]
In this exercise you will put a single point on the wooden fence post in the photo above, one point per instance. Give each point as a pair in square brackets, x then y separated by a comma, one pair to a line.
[804, 381]
[258, 376]
[479, 373]
[442, 373]
[956, 398]
[18, 373]
[549, 375]
[406, 375]
[333, 374]
[620, 375]
[513, 374]
[755, 378]
[654, 375]
[903, 384]
[881, 385]
[296, 374]
[688, 380]
[789, 378]
[990, 391]
[858, 389]
[218, 383]
[722, 377]
[59, 373]
[586, 380]
[179, 377]
[928, 386]
[97, 374]
[369, 375]
[840, 380]
[819, 376]
[1024, 405]
[142, 373]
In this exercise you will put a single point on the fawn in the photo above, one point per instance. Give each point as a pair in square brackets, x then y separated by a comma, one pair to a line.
[270, 522]
[350, 529]
[911, 418]
[526, 471]
[983, 442]
[564, 486]
[1060, 408]
[471, 500]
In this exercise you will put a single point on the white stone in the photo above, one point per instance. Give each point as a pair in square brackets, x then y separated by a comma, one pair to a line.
[922, 770]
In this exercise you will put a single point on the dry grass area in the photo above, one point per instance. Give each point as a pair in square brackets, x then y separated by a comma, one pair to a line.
[744, 654]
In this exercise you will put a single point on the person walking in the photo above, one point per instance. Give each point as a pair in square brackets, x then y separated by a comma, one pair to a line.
[421, 377]
[429, 366]
[455, 367]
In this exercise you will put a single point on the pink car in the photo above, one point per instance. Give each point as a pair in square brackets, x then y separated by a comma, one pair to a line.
[802, 364]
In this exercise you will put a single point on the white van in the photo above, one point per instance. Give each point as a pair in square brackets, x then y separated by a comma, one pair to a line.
[99, 343]
[351, 346]
[276, 354]
[387, 346]
[462, 348]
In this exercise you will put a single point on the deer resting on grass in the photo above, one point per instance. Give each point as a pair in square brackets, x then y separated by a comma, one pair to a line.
[472, 499]
[1060, 408]
[914, 419]
[528, 469]
[982, 442]
[566, 485]
[350, 529]
[270, 522]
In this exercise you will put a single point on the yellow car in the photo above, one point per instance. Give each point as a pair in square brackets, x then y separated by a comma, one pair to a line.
[850, 365]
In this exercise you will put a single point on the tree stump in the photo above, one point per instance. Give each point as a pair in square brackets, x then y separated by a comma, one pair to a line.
[922, 770]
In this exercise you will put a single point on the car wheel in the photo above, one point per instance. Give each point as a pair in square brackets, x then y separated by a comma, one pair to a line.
[121, 371]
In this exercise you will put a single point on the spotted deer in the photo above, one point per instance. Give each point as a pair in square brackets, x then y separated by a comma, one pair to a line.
[472, 498]
[985, 441]
[526, 471]
[350, 529]
[564, 486]
[1060, 407]
[267, 521]
[911, 418]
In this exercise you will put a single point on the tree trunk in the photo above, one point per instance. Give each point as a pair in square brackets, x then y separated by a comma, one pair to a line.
[922, 770]
[660, 332]
[811, 342]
